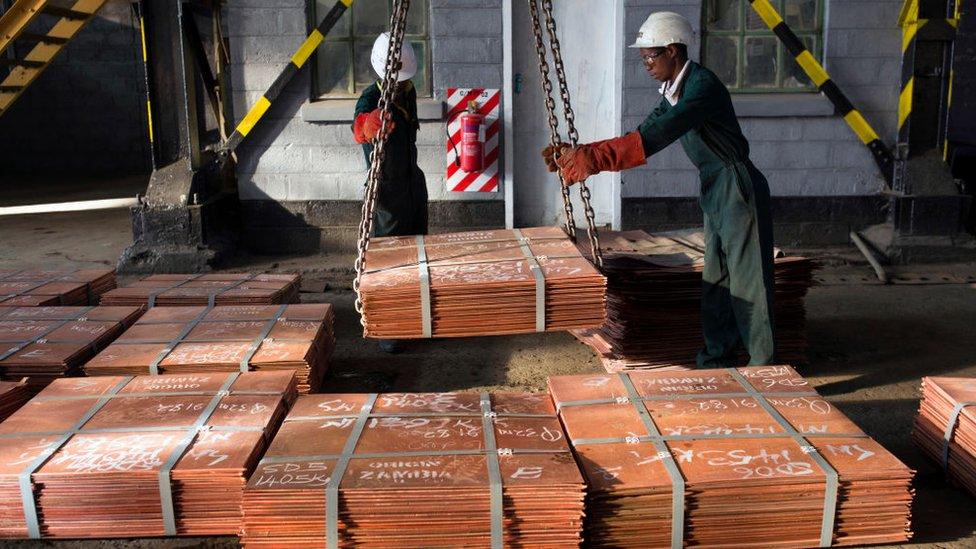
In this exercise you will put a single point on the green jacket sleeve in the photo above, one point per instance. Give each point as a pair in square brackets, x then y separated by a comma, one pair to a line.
[667, 123]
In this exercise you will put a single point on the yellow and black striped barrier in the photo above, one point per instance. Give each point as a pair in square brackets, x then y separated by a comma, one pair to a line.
[815, 71]
[140, 15]
[298, 60]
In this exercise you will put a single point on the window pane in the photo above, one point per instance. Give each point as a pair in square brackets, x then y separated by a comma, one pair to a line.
[371, 17]
[723, 14]
[722, 57]
[793, 75]
[364, 69]
[801, 15]
[417, 18]
[341, 28]
[420, 81]
[760, 62]
[333, 68]
[753, 21]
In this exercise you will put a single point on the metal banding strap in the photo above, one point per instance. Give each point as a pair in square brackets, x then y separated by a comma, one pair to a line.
[426, 318]
[494, 474]
[332, 486]
[664, 454]
[540, 281]
[23, 345]
[951, 430]
[815, 71]
[165, 485]
[833, 479]
[246, 361]
[154, 365]
[153, 295]
[26, 488]
[297, 61]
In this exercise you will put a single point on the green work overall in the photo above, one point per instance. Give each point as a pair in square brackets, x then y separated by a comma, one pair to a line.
[737, 291]
[401, 203]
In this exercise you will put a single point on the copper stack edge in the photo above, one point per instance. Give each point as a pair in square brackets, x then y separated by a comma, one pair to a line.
[747, 457]
[654, 302]
[29, 288]
[224, 339]
[417, 470]
[122, 457]
[945, 428]
[46, 343]
[13, 395]
[479, 283]
[208, 289]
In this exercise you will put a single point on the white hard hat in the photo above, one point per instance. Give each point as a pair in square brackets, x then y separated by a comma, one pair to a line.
[408, 59]
[663, 28]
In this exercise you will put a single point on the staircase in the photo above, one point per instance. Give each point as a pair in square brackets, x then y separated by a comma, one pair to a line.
[19, 33]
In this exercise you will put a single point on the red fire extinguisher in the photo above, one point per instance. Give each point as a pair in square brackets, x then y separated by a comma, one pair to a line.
[472, 139]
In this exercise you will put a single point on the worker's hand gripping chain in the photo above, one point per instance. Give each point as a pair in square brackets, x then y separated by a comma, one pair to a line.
[555, 140]
[390, 72]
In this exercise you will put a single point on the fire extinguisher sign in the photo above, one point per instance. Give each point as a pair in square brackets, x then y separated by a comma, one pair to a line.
[469, 150]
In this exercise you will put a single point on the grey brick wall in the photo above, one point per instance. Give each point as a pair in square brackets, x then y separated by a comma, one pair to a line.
[801, 156]
[288, 159]
[85, 115]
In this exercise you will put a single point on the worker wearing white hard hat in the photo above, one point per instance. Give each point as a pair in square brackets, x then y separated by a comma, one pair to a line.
[696, 109]
[401, 203]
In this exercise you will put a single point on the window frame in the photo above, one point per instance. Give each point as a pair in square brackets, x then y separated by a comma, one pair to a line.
[318, 94]
[782, 55]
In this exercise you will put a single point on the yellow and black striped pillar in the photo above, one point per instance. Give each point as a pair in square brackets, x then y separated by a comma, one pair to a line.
[298, 61]
[916, 31]
[815, 71]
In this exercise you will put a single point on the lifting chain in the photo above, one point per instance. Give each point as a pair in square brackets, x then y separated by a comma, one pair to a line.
[554, 139]
[584, 190]
[397, 25]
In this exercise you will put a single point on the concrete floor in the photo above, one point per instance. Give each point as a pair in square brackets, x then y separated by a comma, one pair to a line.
[870, 345]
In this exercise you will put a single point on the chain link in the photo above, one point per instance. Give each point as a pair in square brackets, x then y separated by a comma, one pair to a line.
[397, 25]
[584, 190]
[554, 139]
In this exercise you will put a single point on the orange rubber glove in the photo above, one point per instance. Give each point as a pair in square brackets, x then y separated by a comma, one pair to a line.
[612, 155]
[367, 125]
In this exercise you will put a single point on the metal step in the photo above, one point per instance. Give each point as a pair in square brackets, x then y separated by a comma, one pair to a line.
[4, 62]
[43, 39]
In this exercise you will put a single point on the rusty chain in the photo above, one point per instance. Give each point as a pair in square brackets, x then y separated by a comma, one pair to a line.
[397, 26]
[554, 139]
[584, 190]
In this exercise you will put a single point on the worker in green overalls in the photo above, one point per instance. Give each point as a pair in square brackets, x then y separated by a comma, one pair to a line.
[401, 202]
[696, 108]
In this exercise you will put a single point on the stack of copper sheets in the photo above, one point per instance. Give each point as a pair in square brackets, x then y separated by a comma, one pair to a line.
[743, 457]
[945, 428]
[13, 395]
[26, 288]
[654, 302]
[45, 343]
[417, 470]
[132, 457]
[479, 283]
[224, 339]
[208, 289]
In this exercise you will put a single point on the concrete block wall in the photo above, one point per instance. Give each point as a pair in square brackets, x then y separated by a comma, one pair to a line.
[289, 159]
[85, 115]
[800, 155]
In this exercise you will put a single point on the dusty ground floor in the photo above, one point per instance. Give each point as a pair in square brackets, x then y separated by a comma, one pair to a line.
[870, 345]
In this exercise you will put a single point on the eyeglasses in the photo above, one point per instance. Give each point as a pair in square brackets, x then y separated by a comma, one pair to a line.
[651, 57]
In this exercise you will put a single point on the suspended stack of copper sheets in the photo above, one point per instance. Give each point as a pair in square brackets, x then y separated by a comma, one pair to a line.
[208, 289]
[417, 470]
[27, 288]
[945, 428]
[113, 457]
[654, 302]
[46, 343]
[13, 395]
[479, 283]
[225, 339]
[748, 457]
